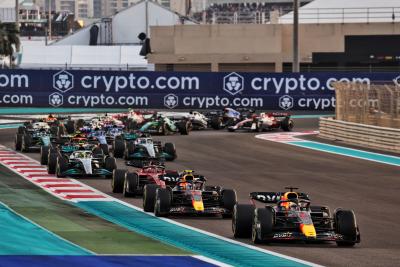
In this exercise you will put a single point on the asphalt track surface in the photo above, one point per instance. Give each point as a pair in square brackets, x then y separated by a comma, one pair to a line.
[244, 163]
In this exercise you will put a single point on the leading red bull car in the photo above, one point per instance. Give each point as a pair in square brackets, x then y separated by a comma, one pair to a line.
[290, 216]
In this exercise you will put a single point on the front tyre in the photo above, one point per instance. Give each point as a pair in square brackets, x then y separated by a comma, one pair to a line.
[242, 220]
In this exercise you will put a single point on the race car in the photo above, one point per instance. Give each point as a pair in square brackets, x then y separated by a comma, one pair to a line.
[32, 137]
[132, 183]
[85, 163]
[142, 151]
[264, 122]
[134, 119]
[227, 117]
[119, 144]
[197, 120]
[190, 196]
[162, 125]
[290, 216]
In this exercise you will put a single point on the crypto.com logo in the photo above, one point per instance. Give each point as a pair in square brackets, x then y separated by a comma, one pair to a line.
[56, 99]
[63, 81]
[233, 83]
[171, 101]
[397, 81]
[286, 102]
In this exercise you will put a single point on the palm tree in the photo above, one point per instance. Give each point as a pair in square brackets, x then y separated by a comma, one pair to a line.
[8, 39]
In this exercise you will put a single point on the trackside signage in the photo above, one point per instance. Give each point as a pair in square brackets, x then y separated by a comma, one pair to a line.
[189, 90]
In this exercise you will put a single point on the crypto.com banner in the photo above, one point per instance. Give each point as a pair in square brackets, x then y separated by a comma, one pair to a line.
[123, 89]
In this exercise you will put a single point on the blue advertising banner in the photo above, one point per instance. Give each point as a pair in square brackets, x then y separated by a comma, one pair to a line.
[189, 90]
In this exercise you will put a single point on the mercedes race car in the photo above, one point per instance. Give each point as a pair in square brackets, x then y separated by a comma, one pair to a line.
[290, 216]
[198, 121]
[132, 183]
[190, 196]
[162, 125]
[85, 163]
[264, 122]
[143, 151]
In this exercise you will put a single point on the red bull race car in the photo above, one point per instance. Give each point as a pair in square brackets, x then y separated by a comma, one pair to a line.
[290, 216]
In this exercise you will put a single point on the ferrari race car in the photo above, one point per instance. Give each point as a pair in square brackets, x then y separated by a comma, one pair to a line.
[143, 151]
[264, 122]
[85, 163]
[132, 183]
[190, 196]
[162, 125]
[290, 216]
[134, 119]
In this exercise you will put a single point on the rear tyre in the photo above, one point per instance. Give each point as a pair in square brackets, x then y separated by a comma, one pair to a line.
[44, 155]
[216, 123]
[263, 217]
[21, 130]
[70, 126]
[26, 143]
[242, 220]
[229, 201]
[170, 149]
[97, 152]
[18, 141]
[149, 197]
[162, 204]
[52, 163]
[110, 165]
[104, 148]
[131, 184]
[287, 124]
[119, 147]
[129, 150]
[345, 224]
[184, 127]
[117, 182]
[61, 167]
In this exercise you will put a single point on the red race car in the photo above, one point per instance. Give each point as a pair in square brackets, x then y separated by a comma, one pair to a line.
[132, 183]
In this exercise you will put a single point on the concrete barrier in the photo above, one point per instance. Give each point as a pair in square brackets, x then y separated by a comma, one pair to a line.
[375, 137]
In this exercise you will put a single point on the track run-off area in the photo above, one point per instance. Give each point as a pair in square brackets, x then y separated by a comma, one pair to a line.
[244, 163]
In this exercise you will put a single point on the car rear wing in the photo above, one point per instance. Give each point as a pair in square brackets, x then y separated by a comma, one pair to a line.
[273, 197]
[279, 114]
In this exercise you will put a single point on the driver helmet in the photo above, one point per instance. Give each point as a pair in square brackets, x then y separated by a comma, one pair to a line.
[289, 200]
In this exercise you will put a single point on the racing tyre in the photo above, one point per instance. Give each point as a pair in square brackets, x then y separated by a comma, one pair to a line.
[70, 126]
[162, 204]
[263, 217]
[131, 184]
[53, 130]
[60, 130]
[117, 182]
[287, 124]
[119, 147]
[104, 148]
[52, 163]
[129, 150]
[79, 124]
[110, 165]
[98, 152]
[61, 166]
[164, 129]
[229, 201]
[18, 141]
[131, 124]
[216, 123]
[26, 143]
[345, 224]
[170, 149]
[184, 127]
[21, 130]
[242, 220]
[44, 155]
[149, 197]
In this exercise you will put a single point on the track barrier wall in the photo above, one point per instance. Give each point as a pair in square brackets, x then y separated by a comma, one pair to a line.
[186, 90]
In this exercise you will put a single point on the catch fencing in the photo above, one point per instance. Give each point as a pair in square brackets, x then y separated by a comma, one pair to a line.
[375, 104]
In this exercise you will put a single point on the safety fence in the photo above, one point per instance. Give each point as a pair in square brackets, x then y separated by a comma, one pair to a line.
[375, 137]
[372, 104]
